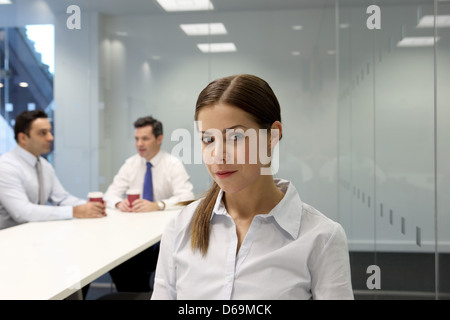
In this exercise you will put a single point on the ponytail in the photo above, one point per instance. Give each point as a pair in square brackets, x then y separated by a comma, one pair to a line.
[200, 227]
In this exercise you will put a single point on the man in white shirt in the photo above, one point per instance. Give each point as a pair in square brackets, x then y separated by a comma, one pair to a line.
[171, 184]
[22, 198]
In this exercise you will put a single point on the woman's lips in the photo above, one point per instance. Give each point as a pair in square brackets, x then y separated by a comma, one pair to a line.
[224, 174]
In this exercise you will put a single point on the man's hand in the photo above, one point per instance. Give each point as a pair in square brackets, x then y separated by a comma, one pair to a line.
[124, 205]
[90, 209]
[142, 205]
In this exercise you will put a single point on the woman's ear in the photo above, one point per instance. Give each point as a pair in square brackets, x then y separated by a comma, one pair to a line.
[276, 131]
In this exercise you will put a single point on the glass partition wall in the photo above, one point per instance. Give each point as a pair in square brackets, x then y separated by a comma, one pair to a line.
[363, 87]
[393, 136]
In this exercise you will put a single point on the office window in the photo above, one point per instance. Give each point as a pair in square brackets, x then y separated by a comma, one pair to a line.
[26, 76]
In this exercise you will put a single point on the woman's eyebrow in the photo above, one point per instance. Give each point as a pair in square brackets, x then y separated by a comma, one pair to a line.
[230, 128]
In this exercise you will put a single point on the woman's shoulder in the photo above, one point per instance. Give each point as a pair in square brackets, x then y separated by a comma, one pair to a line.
[313, 219]
[178, 228]
[184, 216]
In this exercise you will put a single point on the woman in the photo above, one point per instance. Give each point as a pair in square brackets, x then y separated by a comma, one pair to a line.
[250, 237]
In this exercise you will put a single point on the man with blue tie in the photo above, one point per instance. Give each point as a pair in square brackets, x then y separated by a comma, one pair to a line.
[163, 182]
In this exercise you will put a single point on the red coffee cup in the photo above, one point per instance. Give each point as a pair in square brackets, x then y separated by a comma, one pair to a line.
[133, 194]
[96, 196]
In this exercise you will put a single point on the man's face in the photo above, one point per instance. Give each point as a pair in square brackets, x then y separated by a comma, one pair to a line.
[39, 140]
[146, 144]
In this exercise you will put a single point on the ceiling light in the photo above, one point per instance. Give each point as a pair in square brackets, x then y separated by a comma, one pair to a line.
[428, 21]
[344, 25]
[1, 85]
[5, 2]
[297, 27]
[23, 84]
[295, 53]
[417, 42]
[203, 29]
[185, 5]
[217, 47]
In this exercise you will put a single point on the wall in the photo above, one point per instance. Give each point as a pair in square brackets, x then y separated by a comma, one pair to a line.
[77, 104]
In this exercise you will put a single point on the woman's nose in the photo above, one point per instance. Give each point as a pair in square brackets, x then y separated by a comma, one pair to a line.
[221, 154]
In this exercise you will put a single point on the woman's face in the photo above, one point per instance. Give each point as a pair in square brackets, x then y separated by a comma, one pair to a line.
[234, 147]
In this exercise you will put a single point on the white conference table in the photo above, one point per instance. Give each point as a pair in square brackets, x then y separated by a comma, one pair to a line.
[54, 259]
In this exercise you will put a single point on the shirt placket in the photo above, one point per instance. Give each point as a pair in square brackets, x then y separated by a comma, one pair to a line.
[233, 260]
[230, 265]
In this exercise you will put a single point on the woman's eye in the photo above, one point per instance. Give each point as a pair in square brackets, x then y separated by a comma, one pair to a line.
[236, 136]
[207, 139]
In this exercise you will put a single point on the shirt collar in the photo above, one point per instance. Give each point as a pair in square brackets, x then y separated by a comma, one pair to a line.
[219, 206]
[26, 155]
[287, 213]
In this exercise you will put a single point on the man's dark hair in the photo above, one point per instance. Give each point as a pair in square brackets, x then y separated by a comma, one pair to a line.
[24, 120]
[150, 121]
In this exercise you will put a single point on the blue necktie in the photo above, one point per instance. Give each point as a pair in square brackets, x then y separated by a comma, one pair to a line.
[148, 183]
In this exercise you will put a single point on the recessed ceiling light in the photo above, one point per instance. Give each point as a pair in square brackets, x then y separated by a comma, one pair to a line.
[344, 25]
[295, 53]
[297, 27]
[23, 84]
[203, 29]
[442, 21]
[5, 2]
[417, 42]
[186, 5]
[217, 47]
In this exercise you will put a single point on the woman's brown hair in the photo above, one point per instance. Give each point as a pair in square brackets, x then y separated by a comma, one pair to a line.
[254, 96]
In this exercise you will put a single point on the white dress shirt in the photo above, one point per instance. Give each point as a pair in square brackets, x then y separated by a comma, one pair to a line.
[19, 191]
[293, 252]
[171, 183]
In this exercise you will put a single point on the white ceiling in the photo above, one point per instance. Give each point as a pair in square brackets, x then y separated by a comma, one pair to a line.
[128, 7]
[262, 27]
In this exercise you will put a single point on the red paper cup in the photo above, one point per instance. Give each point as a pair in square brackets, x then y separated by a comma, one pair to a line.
[96, 196]
[133, 194]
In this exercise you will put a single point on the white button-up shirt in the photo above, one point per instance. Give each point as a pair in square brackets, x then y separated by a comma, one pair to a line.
[19, 191]
[171, 182]
[293, 252]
